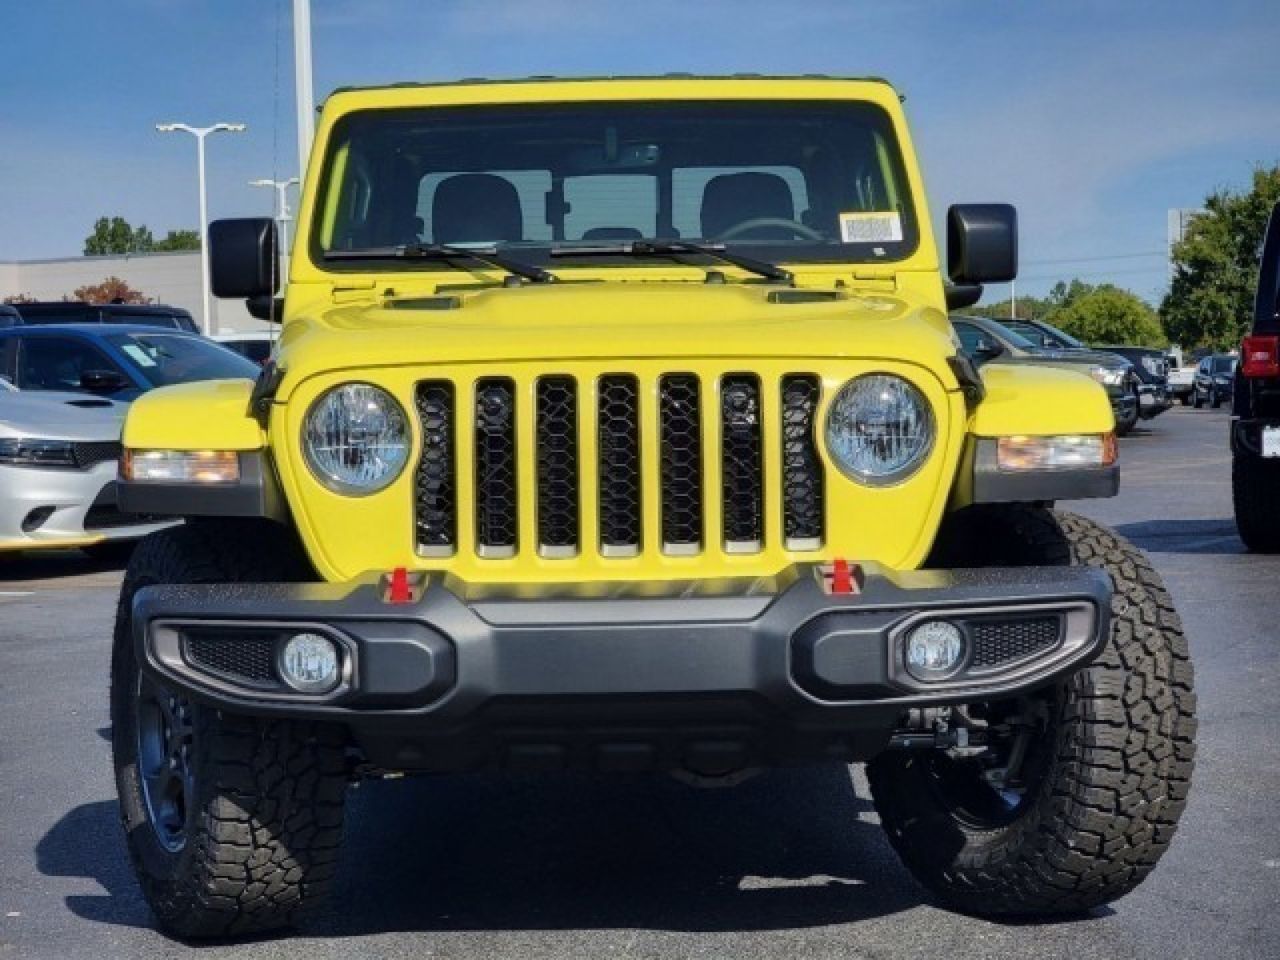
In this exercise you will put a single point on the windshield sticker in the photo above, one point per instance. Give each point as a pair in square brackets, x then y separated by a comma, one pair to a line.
[861, 227]
[139, 355]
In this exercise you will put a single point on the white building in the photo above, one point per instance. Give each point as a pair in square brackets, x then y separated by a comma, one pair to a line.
[168, 278]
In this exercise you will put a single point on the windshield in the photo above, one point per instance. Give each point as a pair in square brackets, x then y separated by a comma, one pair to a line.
[165, 359]
[1223, 364]
[798, 181]
[1062, 335]
[1012, 336]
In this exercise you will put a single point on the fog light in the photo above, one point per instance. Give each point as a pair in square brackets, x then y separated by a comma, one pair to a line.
[309, 663]
[935, 649]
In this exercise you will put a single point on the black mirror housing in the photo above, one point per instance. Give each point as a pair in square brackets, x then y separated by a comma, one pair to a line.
[243, 260]
[982, 243]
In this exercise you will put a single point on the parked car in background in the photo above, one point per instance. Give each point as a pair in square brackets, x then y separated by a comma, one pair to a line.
[114, 361]
[1043, 334]
[1181, 380]
[254, 345]
[1151, 366]
[1213, 380]
[990, 341]
[9, 317]
[58, 464]
[150, 314]
[1255, 409]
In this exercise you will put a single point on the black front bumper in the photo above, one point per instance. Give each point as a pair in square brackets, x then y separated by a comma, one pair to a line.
[702, 674]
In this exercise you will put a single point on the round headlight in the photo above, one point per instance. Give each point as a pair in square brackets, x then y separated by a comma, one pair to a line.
[879, 429]
[355, 439]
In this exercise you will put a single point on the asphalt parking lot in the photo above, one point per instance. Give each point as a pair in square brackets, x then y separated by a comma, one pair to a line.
[788, 865]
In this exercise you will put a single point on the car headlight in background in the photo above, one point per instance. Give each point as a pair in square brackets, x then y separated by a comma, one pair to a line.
[356, 439]
[879, 429]
[34, 452]
[1108, 376]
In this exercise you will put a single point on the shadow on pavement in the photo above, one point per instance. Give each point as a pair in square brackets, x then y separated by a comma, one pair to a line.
[33, 565]
[787, 850]
[1184, 536]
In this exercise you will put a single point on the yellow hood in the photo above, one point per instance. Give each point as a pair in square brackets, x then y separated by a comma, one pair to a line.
[605, 320]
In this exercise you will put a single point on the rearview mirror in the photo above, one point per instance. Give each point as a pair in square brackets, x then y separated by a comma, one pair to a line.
[243, 261]
[982, 243]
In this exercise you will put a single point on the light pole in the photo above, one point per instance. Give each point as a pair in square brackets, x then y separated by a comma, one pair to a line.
[200, 133]
[303, 92]
[282, 217]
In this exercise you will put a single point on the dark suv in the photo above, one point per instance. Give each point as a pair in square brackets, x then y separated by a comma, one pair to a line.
[1255, 409]
[151, 315]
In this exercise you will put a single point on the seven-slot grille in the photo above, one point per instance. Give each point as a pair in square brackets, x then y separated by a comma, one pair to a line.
[691, 418]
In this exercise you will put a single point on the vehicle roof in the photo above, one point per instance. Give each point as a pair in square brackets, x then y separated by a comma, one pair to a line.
[95, 330]
[602, 78]
[75, 306]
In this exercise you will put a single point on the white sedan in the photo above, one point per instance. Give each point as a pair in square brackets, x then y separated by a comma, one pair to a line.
[58, 461]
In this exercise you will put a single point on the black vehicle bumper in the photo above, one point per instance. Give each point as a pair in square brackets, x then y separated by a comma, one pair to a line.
[707, 675]
[1246, 435]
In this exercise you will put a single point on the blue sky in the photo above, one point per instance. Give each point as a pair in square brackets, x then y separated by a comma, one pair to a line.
[1093, 116]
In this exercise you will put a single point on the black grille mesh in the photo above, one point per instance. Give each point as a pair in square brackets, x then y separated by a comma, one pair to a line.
[90, 453]
[802, 479]
[436, 491]
[618, 440]
[681, 443]
[496, 463]
[557, 426]
[742, 485]
[247, 658]
[997, 642]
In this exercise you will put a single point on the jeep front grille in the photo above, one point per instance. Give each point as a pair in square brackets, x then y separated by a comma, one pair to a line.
[659, 431]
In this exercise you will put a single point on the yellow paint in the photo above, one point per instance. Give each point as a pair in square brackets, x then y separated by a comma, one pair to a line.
[210, 415]
[646, 319]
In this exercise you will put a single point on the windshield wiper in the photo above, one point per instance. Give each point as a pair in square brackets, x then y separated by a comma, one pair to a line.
[660, 248]
[444, 251]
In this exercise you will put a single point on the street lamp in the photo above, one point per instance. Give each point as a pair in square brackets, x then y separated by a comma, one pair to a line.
[282, 217]
[200, 133]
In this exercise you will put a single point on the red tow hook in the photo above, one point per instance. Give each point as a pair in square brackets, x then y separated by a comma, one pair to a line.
[844, 578]
[398, 590]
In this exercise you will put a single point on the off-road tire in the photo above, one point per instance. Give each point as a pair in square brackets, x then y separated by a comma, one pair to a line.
[1254, 483]
[264, 823]
[1119, 752]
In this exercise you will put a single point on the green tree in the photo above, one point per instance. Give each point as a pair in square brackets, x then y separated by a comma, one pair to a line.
[1107, 314]
[178, 240]
[116, 235]
[1215, 266]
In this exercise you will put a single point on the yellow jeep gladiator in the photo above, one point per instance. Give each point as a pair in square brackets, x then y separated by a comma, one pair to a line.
[617, 425]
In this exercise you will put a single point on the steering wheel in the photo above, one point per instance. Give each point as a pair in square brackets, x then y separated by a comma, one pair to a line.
[757, 223]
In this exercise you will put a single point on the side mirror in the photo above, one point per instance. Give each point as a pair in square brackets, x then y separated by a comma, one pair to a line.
[102, 381]
[982, 243]
[986, 349]
[1266, 308]
[243, 261]
[959, 297]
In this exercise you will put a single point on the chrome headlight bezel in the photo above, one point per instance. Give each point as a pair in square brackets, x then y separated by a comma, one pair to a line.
[393, 456]
[922, 448]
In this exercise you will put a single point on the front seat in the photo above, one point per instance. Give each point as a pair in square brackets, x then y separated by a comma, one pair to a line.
[476, 208]
[733, 198]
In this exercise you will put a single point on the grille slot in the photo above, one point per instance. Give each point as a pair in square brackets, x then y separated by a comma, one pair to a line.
[436, 489]
[496, 495]
[997, 643]
[742, 482]
[247, 658]
[680, 438]
[803, 507]
[618, 442]
[557, 433]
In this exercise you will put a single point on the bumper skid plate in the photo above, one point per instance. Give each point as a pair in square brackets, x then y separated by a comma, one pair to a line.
[704, 674]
